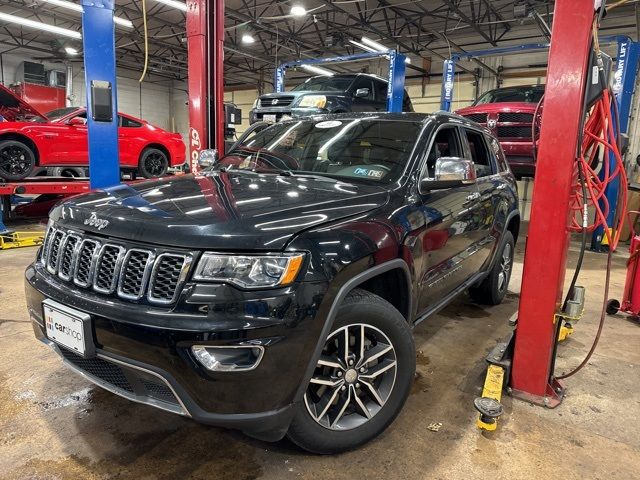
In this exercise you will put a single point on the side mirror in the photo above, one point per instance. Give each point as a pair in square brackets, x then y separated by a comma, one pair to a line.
[208, 158]
[362, 92]
[450, 172]
[77, 122]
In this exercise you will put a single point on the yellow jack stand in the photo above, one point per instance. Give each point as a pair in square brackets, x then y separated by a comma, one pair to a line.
[21, 239]
[489, 404]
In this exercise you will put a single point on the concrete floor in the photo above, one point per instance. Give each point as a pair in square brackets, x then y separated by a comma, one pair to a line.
[56, 425]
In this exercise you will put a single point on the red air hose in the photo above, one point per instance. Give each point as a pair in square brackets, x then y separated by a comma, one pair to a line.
[599, 141]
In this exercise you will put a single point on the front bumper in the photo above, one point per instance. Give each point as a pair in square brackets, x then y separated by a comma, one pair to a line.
[143, 352]
[257, 114]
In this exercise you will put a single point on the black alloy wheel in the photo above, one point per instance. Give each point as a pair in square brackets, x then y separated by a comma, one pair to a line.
[17, 160]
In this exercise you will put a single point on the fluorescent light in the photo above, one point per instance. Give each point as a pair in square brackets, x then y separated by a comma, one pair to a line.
[363, 47]
[174, 4]
[64, 4]
[298, 11]
[373, 44]
[78, 8]
[123, 22]
[65, 32]
[247, 38]
[318, 70]
[71, 50]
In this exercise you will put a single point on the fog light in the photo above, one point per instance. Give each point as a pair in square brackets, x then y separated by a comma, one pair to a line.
[229, 359]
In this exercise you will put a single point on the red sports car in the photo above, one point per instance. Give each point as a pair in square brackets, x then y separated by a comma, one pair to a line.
[31, 142]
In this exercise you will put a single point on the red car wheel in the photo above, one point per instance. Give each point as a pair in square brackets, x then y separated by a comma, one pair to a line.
[153, 163]
[17, 160]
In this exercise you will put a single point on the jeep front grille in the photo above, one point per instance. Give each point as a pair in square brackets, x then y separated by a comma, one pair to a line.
[111, 268]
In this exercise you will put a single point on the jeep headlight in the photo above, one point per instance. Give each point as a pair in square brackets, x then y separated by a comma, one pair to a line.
[318, 101]
[255, 103]
[250, 271]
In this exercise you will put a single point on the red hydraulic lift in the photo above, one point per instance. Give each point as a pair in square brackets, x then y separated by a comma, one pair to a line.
[205, 37]
[547, 241]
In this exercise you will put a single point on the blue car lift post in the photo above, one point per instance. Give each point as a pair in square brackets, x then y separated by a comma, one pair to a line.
[397, 67]
[102, 127]
[624, 83]
[100, 78]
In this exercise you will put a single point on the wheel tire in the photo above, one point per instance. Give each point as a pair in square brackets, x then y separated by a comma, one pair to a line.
[70, 172]
[382, 323]
[153, 163]
[493, 288]
[613, 307]
[17, 160]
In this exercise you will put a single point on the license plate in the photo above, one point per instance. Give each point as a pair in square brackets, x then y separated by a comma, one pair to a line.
[68, 327]
[269, 118]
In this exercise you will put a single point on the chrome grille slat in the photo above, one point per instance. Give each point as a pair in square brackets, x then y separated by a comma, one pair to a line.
[136, 269]
[68, 256]
[108, 268]
[53, 254]
[83, 271]
[168, 274]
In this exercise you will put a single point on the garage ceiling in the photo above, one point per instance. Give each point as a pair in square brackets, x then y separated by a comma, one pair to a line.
[418, 28]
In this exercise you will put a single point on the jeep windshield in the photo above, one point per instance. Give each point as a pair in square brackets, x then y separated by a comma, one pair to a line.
[516, 94]
[355, 149]
[324, 84]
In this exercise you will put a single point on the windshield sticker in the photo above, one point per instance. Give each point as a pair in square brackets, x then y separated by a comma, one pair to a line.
[365, 172]
[329, 124]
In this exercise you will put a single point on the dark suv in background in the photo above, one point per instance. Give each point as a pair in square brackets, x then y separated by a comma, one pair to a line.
[359, 92]
[275, 292]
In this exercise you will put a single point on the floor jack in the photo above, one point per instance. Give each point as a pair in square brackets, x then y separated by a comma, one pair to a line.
[631, 295]
[500, 360]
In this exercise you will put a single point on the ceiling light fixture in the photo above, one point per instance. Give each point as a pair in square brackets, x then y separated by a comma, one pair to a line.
[363, 46]
[25, 22]
[71, 50]
[247, 39]
[318, 70]
[373, 44]
[123, 22]
[298, 11]
[174, 4]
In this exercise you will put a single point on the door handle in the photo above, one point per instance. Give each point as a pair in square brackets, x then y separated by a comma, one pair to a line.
[473, 196]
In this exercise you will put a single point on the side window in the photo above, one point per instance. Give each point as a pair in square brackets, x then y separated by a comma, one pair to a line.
[445, 144]
[128, 123]
[381, 92]
[364, 82]
[479, 153]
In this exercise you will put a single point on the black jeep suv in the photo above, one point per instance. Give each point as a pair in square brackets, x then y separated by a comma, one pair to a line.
[276, 291]
[355, 92]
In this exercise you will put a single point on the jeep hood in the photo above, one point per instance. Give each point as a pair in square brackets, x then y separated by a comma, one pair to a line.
[13, 108]
[218, 210]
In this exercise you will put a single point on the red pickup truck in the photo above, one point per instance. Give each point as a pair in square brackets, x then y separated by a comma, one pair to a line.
[508, 113]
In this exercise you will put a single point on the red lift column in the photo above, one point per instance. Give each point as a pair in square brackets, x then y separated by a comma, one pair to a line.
[205, 37]
[547, 242]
